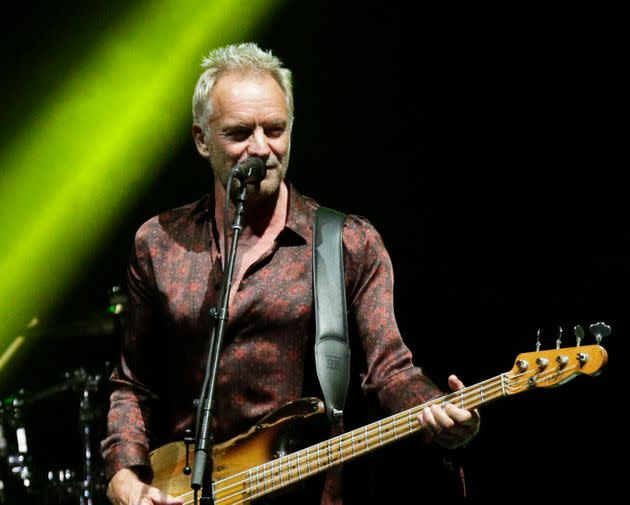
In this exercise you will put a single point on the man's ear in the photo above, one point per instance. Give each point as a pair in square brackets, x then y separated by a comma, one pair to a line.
[200, 141]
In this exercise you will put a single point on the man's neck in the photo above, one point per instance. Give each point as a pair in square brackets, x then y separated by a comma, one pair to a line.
[262, 215]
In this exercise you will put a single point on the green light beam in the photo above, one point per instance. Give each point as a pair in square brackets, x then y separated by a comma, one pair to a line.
[75, 168]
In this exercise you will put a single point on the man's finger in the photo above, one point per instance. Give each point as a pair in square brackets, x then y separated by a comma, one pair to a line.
[454, 383]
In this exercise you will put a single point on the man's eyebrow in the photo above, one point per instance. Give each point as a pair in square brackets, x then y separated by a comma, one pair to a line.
[278, 122]
[239, 125]
[235, 126]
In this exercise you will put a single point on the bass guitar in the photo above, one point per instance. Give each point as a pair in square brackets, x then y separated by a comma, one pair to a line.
[256, 463]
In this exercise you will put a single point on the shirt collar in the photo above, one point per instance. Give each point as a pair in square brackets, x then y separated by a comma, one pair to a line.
[300, 214]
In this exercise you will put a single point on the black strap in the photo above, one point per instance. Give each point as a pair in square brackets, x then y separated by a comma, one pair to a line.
[332, 351]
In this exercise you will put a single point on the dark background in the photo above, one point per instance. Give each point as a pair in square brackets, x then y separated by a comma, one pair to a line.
[485, 144]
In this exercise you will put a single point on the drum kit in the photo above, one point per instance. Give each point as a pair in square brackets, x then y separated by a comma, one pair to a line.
[50, 436]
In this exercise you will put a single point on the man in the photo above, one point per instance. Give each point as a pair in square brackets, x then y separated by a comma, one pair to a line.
[243, 107]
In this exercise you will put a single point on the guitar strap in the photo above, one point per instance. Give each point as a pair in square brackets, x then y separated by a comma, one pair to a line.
[332, 350]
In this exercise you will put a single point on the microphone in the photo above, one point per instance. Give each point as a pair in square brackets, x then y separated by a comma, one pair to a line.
[251, 170]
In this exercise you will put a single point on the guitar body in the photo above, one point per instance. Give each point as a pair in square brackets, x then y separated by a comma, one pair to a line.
[276, 435]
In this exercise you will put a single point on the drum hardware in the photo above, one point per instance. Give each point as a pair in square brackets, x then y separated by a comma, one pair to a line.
[86, 385]
[16, 453]
[66, 481]
[50, 438]
[83, 485]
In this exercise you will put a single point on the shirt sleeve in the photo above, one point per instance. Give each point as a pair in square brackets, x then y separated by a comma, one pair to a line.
[133, 396]
[390, 374]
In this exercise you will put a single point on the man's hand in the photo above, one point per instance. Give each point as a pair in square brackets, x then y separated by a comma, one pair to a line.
[125, 488]
[450, 426]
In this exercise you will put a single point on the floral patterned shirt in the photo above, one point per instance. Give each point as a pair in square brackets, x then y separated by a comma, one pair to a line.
[174, 278]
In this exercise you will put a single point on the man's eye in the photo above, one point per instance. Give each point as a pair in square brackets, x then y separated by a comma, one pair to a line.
[274, 132]
[238, 135]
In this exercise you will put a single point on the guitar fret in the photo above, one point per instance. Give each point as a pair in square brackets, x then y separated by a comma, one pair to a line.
[330, 460]
[394, 424]
[409, 421]
[481, 393]
[341, 448]
[289, 469]
[297, 465]
[264, 479]
[249, 484]
[503, 384]
[352, 443]
[365, 434]
[256, 481]
[280, 472]
[319, 464]
[380, 435]
[461, 399]
[308, 462]
[287, 472]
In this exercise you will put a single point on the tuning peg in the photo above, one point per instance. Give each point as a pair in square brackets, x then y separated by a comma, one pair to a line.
[600, 330]
[538, 340]
[579, 334]
[559, 341]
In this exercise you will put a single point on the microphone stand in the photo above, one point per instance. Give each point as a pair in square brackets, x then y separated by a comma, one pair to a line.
[202, 470]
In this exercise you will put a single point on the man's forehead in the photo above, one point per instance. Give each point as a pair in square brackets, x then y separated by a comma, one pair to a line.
[236, 97]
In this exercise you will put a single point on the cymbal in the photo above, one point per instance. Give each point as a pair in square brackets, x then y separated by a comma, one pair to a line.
[78, 380]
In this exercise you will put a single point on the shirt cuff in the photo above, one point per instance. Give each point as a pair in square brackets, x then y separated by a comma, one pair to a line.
[131, 455]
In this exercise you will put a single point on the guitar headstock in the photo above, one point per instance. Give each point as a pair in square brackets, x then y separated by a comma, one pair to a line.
[542, 369]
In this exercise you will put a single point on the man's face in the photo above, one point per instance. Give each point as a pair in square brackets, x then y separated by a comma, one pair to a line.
[250, 119]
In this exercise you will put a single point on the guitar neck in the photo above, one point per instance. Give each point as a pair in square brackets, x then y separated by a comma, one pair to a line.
[279, 473]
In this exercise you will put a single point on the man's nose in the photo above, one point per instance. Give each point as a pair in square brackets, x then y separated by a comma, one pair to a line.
[258, 145]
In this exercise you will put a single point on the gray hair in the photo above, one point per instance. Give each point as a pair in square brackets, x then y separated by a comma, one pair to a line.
[245, 57]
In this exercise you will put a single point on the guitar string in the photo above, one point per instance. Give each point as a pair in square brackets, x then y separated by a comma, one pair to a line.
[374, 429]
[331, 462]
[291, 463]
[544, 375]
[371, 430]
[372, 434]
